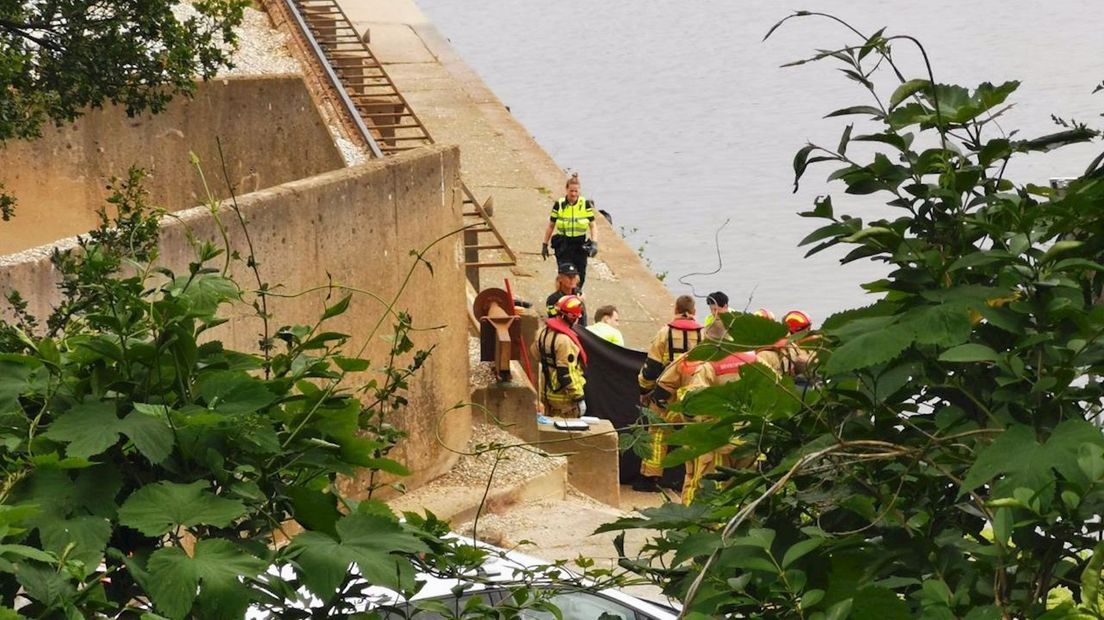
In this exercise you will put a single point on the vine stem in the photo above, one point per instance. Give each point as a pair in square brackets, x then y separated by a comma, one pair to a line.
[486, 492]
[251, 262]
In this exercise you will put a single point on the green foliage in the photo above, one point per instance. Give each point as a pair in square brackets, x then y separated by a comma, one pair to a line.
[945, 460]
[148, 469]
[59, 58]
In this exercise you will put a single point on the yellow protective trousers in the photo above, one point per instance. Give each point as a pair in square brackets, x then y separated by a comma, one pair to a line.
[698, 468]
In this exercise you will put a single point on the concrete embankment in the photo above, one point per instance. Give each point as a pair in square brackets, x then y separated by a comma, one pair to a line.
[499, 158]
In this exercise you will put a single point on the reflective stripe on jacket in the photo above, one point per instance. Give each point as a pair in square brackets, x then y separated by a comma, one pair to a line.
[562, 377]
[572, 220]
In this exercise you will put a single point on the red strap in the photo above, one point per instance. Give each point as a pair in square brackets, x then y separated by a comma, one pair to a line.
[557, 324]
[684, 324]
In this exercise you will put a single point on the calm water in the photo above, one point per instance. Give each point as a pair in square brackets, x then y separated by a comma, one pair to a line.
[678, 118]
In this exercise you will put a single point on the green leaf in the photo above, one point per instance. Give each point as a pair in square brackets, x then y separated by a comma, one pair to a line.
[369, 541]
[88, 536]
[1061, 247]
[799, 550]
[750, 331]
[839, 611]
[1090, 580]
[811, 597]
[151, 434]
[1025, 463]
[338, 308]
[970, 352]
[26, 552]
[869, 349]
[698, 544]
[216, 569]
[857, 109]
[44, 584]
[234, 392]
[800, 162]
[1070, 441]
[906, 90]
[157, 509]
[206, 292]
[875, 603]
[89, 429]
[314, 509]
[844, 139]
[351, 364]
[945, 325]
[172, 581]
[989, 612]
[18, 376]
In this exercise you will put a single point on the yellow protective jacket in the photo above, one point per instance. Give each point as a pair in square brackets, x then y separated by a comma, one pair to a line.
[789, 357]
[572, 219]
[673, 339]
[562, 377]
[683, 376]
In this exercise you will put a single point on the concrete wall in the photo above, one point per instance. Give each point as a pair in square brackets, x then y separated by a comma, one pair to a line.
[270, 130]
[357, 224]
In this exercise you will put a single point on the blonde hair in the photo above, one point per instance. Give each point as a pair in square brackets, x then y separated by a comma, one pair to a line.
[572, 180]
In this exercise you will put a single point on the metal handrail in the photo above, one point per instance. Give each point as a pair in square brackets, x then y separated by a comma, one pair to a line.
[334, 80]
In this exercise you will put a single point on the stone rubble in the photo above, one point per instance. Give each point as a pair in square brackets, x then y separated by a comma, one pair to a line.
[262, 50]
[351, 153]
[514, 465]
[481, 374]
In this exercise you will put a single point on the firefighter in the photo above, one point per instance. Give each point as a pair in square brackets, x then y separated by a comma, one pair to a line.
[679, 336]
[572, 231]
[562, 360]
[683, 376]
[790, 356]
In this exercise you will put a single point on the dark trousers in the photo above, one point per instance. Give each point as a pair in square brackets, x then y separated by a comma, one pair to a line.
[570, 250]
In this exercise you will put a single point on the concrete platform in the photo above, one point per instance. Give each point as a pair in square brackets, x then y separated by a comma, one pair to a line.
[592, 458]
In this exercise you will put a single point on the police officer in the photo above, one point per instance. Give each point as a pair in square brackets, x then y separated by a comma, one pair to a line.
[679, 336]
[572, 231]
[567, 283]
[562, 359]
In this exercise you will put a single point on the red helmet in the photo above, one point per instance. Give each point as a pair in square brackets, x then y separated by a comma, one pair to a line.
[797, 321]
[570, 306]
[766, 314]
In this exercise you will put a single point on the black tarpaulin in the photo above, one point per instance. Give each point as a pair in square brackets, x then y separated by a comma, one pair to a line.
[612, 393]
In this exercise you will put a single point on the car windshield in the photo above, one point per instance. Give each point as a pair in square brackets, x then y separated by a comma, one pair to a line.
[572, 606]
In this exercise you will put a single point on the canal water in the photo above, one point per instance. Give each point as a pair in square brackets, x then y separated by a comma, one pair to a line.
[682, 125]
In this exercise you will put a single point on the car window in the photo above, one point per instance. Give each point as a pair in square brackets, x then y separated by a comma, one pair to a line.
[582, 606]
[452, 603]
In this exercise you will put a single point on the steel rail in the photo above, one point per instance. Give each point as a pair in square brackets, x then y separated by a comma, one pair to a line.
[335, 81]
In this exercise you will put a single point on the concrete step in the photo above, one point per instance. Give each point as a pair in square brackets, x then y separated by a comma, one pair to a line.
[521, 477]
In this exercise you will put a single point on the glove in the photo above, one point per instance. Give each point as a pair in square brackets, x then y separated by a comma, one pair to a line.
[591, 248]
[645, 400]
[582, 408]
[544, 251]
